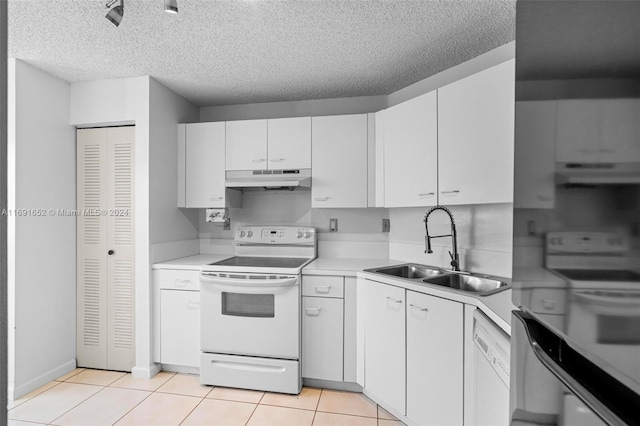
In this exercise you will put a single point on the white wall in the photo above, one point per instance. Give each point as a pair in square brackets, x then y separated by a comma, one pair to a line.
[42, 249]
[166, 221]
[126, 101]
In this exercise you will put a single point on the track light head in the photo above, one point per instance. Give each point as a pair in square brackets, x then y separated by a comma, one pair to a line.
[171, 6]
[116, 13]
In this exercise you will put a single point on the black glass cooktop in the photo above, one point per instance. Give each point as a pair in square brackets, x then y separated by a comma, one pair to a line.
[262, 262]
[599, 275]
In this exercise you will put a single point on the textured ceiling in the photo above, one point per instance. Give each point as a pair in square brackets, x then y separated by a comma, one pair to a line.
[223, 52]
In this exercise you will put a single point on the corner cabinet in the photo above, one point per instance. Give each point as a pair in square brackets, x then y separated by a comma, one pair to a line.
[476, 137]
[413, 353]
[411, 152]
[339, 175]
[201, 166]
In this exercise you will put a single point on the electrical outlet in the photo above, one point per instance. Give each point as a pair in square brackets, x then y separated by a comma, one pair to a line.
[333, 225]
[386, 225]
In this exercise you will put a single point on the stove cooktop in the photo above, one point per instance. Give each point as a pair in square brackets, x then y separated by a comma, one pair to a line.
[262, 262]
[604, 275]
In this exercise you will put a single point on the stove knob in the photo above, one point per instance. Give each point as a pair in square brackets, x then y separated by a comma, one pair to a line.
[249, 234]
[242, 233]
[307, 234]
[299, 235]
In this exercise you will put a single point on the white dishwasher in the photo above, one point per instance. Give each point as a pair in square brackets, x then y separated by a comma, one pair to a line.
[491, 351]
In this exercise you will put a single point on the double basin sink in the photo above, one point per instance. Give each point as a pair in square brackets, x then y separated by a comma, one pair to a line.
[466, 282]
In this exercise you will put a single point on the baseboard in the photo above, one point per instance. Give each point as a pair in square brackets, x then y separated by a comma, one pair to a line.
[330, 384]
[145, 372]
[181, 369]
[15, 392]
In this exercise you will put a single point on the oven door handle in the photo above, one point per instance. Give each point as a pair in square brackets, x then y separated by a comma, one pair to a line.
[261, 283]
[612, 401]
[604, 300]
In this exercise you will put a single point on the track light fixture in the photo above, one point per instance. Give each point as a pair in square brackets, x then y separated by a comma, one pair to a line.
[171, 6]
[115, 14]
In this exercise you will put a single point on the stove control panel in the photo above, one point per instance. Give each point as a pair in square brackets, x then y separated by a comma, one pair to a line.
[586, 242]
[276, 235]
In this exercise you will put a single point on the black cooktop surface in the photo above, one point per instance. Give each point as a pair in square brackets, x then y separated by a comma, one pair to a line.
[599, 275]
[262, 262]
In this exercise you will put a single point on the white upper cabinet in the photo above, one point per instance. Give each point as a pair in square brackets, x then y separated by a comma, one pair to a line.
[339, 161]
[411, 152]
[289, 143]
[598, 130]
[475, 137]
[201, 165]
[246, 145]
[277, 144]
[535, 154]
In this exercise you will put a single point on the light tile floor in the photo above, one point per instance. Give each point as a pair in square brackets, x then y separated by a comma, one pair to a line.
[87, 397]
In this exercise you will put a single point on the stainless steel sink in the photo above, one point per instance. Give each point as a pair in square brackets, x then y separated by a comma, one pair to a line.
[483, 285]
[410, 271]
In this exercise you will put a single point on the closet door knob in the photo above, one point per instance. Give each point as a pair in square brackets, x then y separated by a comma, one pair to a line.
[110, 252]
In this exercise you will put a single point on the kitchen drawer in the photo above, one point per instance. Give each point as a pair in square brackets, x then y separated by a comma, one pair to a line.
[548, 301]
[323, 286]
[176, 279]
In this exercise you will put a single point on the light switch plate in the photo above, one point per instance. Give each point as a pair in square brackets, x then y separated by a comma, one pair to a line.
[333, 225]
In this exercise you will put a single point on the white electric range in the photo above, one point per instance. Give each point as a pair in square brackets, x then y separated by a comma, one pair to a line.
[250, 310]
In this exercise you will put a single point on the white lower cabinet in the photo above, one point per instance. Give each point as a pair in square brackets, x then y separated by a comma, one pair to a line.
[180, 327]
[434, 360]
[322, 338]
[384, 344]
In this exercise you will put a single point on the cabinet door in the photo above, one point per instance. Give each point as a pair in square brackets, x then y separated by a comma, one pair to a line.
[475, 137]
[620, 142]
[204, 165]
[579, 131]
[180, 327]
[411, 152]
[385, 344]
[246, 145]
[289, 143]
[339, 161]
[322, 338]
[434, 360]
[535, 154]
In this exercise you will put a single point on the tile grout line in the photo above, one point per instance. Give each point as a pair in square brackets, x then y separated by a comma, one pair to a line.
[81, 402]
[134, 407]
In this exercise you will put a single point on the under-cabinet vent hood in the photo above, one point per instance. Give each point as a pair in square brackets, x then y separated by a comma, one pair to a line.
[598, 173]
[270, 179]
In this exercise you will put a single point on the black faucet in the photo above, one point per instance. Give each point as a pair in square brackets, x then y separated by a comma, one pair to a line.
[455, 258]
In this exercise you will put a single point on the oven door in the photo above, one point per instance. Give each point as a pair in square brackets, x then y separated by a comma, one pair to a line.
[250, 314]
[552, 383]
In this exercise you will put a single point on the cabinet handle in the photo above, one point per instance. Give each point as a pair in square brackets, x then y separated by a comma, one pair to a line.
[323, 289]
[321, 198]
[181, 283]
[215, 198]
[420, 308]
[427, 194]
[277, 160]
[452, 192]
[258, 160]
[193, 305]
[312, 311]
[391, 299]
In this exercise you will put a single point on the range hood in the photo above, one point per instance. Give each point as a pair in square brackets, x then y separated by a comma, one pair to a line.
[270, 179]
[598, 173]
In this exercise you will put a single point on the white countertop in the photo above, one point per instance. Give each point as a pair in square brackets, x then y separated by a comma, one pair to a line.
[192, 263]
[345, 267]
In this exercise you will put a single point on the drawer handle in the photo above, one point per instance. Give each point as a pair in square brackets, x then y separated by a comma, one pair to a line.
[452, 192]
[181, 283]
[215, 198]
[314, 312]
[193, 305]
[321, 198]
[391, 299]
[548, 304]
[277, 160]
[427, 194]
[420, 308]
[323, 289]
[258, 160]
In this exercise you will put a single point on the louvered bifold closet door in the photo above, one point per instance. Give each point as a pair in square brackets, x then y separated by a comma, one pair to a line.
[105, 248]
